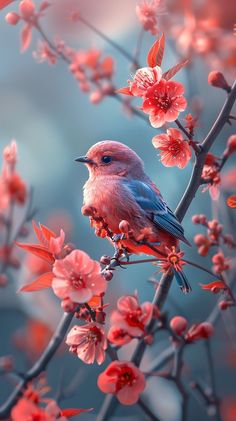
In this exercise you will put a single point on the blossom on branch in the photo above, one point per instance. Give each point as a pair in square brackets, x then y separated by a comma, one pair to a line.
[199, 331]
[88, 342]
[148, 13]
[163, 102]
[220, 263]
[174, 149]
[131, 316]
[78, 277]
[123, 379]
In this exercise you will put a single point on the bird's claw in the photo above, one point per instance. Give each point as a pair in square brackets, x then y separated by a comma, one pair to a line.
[118, 237]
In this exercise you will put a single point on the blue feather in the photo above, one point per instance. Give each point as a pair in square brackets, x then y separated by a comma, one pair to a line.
[156, 208]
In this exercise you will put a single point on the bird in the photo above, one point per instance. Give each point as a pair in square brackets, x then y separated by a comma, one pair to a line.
[118, 191]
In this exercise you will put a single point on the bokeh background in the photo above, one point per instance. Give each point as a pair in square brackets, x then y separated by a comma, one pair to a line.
[53, 122]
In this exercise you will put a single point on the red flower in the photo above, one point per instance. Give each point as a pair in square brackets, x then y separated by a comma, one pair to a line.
[88, 342]
[131, 316]
[164, 101]
[174, 149]
[123, 379]
[144, 79]
[173, 260]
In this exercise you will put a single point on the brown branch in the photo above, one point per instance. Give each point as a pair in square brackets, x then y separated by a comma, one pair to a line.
[39, 366]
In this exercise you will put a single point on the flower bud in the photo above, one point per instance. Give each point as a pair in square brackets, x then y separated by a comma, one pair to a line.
[67, 305]
[217, 80]
[207, 330]
[124, 226]
[105, 260]
[27, 9]
[108, 275]
[96, 97]
[12, 18]
[223, 305]
[178, 324]
[231, 145]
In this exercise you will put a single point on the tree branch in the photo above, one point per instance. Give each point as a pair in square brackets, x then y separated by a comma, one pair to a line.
[40, 364]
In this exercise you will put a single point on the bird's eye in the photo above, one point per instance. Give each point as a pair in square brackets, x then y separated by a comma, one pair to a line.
[106, 159]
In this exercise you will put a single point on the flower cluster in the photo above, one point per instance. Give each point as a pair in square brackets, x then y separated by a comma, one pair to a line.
[129, 320]
[29, 15]
[13, 194]
[30, 407]
[196, 332]
[92, 72]
[162, 98]
[214, 235]
[148, 13]
[74, 276]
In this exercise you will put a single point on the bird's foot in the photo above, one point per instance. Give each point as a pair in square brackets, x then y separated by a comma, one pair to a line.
[118, 237]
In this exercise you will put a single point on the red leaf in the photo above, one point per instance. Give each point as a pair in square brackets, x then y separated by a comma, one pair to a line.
[125, 91]
[175, 69]
[48, 234]
[231, 201]
[38, 233]
[155, 55]
[38, 251]
[26, 36]
[4, 3]
[215, 286]
[72, 412]
[43, 282]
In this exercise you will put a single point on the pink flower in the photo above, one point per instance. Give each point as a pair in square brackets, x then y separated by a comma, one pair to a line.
[56, 244]
[118, 336]
[78, 277]
[174, 149]
[211, 172]
[88, 342]
[164, 101]
[220, 263]
[123, 379]
[148, 12]
[131, 316]
[10, 154]
[44, 53]
[144, 79]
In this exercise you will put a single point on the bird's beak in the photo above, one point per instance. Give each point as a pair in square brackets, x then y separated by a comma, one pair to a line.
[84, 160]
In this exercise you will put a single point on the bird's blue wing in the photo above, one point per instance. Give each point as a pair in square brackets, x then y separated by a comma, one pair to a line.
[156, 208]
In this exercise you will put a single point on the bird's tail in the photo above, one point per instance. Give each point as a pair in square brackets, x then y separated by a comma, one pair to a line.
[182, 281]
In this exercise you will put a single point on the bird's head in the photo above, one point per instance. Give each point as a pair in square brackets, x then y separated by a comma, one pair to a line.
[112, 158]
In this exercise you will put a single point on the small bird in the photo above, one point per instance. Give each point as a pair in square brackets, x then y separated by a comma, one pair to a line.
[118, 192]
